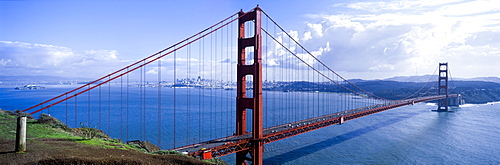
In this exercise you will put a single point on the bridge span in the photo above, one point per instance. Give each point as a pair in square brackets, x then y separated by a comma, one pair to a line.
[232, 144]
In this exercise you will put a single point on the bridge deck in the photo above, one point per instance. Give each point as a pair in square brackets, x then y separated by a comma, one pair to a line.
[233, 144]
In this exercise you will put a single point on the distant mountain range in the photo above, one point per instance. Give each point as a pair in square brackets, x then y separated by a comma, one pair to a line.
[423, 78]
[473, 90]
[426, 78]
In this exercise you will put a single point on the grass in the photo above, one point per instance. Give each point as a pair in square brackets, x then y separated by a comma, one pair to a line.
[7, 126]
[108, 143]
[53, 130]
[36, 130]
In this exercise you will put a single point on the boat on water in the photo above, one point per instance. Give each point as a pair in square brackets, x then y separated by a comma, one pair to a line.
[29, 87]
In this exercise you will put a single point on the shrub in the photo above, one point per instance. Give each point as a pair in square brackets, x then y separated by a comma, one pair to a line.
[114, 140]
[133, 145]
[5, 114]
[53, 122]
[21, 113]
[88, 133]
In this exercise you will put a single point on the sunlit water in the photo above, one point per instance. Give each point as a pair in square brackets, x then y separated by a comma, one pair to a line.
[407, 135]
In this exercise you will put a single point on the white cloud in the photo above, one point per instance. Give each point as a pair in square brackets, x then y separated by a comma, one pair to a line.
[470, 8]
[307, 36]
[152, 71]
[278, 56]
[19, 58]
[398, 5]
[399, 36]
[103, 54]
[382, 67]
[316, 29]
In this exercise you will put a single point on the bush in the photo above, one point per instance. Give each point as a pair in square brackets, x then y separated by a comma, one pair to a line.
[5, 114]
[53, 122]
[21, 113]
[133, 145]
[89, 133]
[114, 140]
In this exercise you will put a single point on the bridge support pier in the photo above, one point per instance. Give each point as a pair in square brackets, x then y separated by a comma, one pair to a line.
[443, 87]
[242, 101]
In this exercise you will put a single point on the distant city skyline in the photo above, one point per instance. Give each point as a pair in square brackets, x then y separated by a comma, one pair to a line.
[364, 39]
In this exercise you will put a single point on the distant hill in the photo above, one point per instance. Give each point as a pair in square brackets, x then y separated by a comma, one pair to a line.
[487, 79]
[425, 78]
[476, 92]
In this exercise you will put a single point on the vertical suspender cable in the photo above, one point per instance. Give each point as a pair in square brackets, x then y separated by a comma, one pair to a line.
[282, 104]
[221, 81]
[203, 80]
[175, 97]
[127, 115]
[144, 104]
[66, 102]
[140, 102]
[188, 92]
[109, 106]
[318, 94]
[201, 131]
[159, 103]
[121, 107]
[217, 129]
[288, 80]
[76, 110]
[199, 91]
[228, 48]
[88, 107]
[276, 107]
[211, 89]
[314, 81]
[100, 108]
[308, 95]
[292, 73]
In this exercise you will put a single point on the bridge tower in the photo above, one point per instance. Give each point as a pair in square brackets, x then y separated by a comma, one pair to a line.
[443, 87]
[243, 103]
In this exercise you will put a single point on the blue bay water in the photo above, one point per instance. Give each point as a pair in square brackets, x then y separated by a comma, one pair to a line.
[406, 135]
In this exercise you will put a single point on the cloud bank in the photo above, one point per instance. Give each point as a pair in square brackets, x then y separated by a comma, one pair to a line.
[21, 59]
[384, 39]
[369, 40]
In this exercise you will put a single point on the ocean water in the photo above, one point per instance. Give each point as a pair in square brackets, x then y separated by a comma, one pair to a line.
[407, 135]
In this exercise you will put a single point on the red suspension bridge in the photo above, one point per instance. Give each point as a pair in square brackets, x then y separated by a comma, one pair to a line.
[231, 88]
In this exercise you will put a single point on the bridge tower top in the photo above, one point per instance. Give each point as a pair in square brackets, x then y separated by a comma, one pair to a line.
[443, 87]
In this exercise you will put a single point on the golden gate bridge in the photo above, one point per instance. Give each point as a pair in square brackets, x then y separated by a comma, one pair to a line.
[231, 88]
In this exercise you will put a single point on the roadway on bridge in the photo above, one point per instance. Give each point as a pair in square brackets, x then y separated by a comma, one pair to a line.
[289, 127]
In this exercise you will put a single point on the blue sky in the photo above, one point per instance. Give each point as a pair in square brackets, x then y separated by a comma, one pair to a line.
[367, 39]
